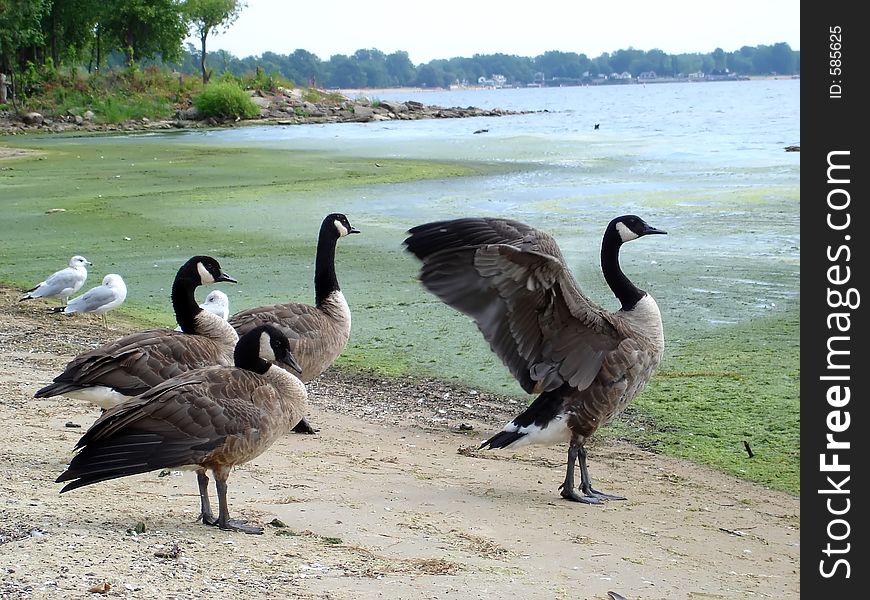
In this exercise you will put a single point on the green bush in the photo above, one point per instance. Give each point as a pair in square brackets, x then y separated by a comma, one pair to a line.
[225, 100]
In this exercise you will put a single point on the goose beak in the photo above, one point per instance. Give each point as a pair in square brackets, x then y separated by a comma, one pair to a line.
[652, 230]
[353, 230]
[288, 360]
[224, 277]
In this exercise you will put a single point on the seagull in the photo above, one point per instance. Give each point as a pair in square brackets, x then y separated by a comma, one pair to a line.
[63, 283]
[217, 303]
[98, 300]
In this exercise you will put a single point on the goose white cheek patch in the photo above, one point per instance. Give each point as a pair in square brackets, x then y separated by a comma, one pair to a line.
[342, 230]
[266, 348]
[204, 275]
[625, 233]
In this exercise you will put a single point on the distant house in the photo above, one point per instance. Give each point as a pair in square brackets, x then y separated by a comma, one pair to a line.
[647, 76]
[623, 75]
[496, 81]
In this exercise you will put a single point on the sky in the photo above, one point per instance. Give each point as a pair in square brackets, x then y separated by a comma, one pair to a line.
[451, 28]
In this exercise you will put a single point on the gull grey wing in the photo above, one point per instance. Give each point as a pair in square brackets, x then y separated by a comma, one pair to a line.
[65, 279]
[91, 300]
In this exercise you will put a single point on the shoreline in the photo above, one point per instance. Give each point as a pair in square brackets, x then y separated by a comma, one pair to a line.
[478, 88]
[283, 107]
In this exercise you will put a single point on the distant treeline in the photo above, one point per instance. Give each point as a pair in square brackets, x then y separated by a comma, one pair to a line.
[39, 36]
[375, 69]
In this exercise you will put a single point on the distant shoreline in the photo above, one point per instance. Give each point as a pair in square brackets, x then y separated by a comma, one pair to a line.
[351, 92]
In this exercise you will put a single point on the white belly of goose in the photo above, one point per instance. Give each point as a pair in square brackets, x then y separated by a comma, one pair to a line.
[100, 395]
[556, 432]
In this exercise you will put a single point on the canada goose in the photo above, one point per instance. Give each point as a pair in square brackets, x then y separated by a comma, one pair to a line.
[587, 363]
[61, 284]
[211, 418]
[317, 333]
[217, 303]
[134, 363]
[99, 299]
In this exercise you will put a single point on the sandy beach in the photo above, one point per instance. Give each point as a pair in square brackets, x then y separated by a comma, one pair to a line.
[388, 500]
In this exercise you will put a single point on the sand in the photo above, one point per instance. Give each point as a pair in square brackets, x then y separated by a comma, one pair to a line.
[387, 500]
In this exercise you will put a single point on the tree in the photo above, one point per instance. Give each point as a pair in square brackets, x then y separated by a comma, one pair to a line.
[303, 68]
[68, 27]
[400, 68]
[718, 59]
[206, 17]
[19, 28]
[432, 75]
[144, 28]
[344, 72]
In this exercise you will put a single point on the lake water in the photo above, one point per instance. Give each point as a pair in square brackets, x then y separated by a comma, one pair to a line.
[704, 161]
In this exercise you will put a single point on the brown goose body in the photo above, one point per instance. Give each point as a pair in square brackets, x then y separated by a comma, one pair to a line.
[317, 333]
[208, 419]
[585, 362]
[136, 362]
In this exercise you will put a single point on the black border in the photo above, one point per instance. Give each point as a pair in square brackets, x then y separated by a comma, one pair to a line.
[833, 124]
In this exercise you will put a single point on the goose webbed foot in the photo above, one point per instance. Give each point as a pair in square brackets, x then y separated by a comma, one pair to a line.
[208, 519]
[239, 525]
[568, 493]
[593, 493]
[224, 521]
[304, 426]
[230, 524]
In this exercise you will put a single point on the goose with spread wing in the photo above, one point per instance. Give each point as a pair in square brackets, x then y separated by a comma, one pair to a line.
[585, 363]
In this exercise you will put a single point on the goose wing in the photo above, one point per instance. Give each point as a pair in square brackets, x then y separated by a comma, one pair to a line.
[137, 362]
[512, 280]
[220, 414]
[314, 338]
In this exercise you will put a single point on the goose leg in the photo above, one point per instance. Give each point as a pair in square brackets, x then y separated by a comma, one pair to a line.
[586, 482]
[205, 513]
[224, 521]
[567, 487]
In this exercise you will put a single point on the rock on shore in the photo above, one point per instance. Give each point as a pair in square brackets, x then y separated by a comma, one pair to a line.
[283, 107]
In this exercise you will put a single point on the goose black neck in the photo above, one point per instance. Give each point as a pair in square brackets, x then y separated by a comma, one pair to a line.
[246, 357]
[625, 291]
[325, 280]
[184, 302]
